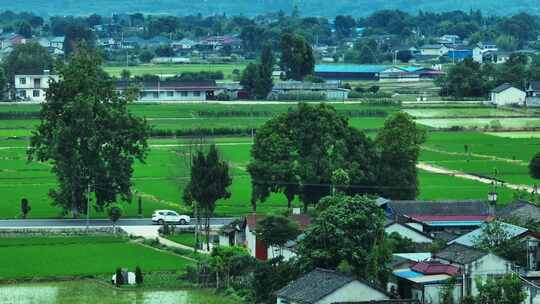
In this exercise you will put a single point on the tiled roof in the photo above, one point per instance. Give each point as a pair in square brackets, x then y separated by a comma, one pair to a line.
[502, 88]
[521, 211]
[316, 285]
[440, 208]
[429, 268]
[461, 254]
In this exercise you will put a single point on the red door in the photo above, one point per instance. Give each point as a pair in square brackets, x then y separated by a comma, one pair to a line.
[261, 252]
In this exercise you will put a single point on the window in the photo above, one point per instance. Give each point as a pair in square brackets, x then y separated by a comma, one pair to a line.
[184, 93]
[22, 94]
[171, 213]
[22, 80]
[35, 93]
[197, 93]
[170, 93]
[155, 95]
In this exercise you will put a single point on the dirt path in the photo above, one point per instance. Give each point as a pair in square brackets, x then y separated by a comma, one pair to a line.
[444, 171]
[490, 157]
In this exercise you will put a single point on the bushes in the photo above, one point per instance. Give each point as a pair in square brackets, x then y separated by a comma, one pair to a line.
[138, 276]
[119, 277]
[19, 115]
[202, 132]
[292, 96]
[361, 94]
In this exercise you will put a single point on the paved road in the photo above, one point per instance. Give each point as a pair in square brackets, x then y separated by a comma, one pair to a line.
[93, 223]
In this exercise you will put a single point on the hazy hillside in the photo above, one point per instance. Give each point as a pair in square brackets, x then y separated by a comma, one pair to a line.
[252, 7]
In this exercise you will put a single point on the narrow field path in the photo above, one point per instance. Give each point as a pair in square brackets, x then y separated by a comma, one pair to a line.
[484, 156]
[454, 173]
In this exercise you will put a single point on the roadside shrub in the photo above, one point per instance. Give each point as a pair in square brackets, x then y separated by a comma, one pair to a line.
[138, 276]
[119, 277]
[223, 96]
[166, 229]
[25, 208]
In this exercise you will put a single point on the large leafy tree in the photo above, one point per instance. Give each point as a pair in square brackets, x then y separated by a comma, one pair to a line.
[399, 147]
[265, 72]
[76, 35]
[351, 230]
[208, 183]
[296, 153]
[465, 79]
[88, 135]
[297, 60]
[27, 58]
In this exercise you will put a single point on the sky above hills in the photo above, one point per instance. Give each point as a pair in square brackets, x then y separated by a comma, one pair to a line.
[254, 7]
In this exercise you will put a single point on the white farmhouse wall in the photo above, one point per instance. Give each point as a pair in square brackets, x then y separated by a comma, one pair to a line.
[408, 233]
[432, 293]
[355, 291]
[33, 87]
[286, 253]
[508, 96]
[251, 240]
[489, 265]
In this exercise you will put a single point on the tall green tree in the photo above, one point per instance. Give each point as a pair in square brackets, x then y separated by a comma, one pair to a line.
[351, 230]
[78, 35]
[276, 230]
[88, 135]
[296, 153]
[399, 143]
[26, 58]
[250, 79]
[297, 60]
[265, 84]
[209, 182]
[25, 29]
[465, 79]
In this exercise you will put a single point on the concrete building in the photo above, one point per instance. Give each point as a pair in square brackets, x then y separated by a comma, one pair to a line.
[171, 90]
[434, 50]
[33, 87]
[506, 94]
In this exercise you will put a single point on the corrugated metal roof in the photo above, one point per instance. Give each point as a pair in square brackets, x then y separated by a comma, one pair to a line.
[470, 238]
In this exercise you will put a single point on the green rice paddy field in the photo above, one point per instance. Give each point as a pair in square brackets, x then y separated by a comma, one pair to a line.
[161, 180]
[61, 256]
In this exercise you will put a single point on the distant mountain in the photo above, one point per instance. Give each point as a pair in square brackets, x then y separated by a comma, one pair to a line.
[254, 7]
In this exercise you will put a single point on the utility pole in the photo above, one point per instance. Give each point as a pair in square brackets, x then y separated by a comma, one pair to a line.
[88, 207]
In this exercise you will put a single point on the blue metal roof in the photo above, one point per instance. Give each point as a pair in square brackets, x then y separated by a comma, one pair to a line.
[470, 238]
[454, 223]
[349, 68]
[407, 274]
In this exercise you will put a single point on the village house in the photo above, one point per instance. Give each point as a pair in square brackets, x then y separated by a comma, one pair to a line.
[261, 251]
[172, 90]
[8, 40]
[434, 50]
[322, 286]
[533, 94]
[449, 39]
[408, 231]
[424, 280]
[520, 212]
[33, 87]
[474, 265]
[183, 45]
[507, 94]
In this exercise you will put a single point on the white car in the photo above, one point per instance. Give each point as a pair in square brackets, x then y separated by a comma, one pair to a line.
[168, 216]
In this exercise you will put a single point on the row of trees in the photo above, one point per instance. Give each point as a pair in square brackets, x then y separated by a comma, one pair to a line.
[307, 151]
[472, 79]
[296, 61]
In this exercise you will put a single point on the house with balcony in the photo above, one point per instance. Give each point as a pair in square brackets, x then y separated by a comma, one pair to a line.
[172, 90]
[33, 87]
